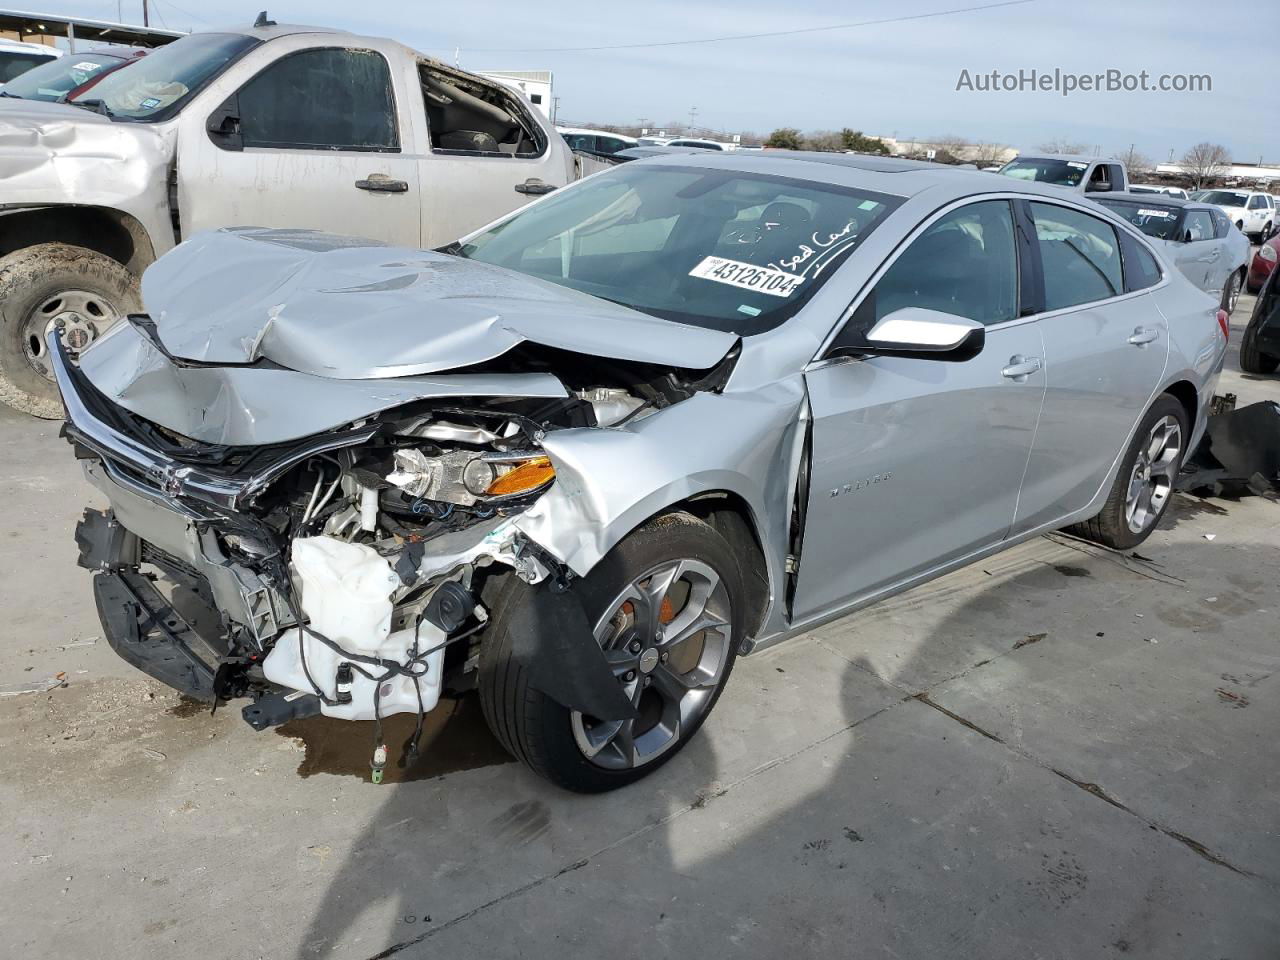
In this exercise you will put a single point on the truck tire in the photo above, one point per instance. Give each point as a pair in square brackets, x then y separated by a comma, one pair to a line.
[46, 285]
[1253, 360]
[678, 671]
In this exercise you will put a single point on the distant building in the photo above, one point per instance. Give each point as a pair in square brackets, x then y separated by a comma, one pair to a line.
[985, 154]
[534, 84]
[1251, 172]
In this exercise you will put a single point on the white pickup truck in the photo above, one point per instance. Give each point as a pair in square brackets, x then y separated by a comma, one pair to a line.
[273, 126]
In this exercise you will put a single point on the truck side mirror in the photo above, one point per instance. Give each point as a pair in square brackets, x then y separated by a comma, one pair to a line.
[223, 126]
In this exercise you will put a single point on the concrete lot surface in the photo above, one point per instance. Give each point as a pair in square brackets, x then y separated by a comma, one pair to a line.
[1058, 752]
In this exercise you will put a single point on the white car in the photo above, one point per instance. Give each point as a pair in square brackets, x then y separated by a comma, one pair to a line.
[17, 58]
[1176, 192]
[699, 144]
[1254, 213]
[596, 141]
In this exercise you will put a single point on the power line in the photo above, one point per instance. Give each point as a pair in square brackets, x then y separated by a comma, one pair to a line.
[756, 36]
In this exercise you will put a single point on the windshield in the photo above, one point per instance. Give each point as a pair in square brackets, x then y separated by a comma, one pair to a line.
[731, 251]
[1151, 218]
[57, 78]
[1223, 198]
[14, 63]
[1064, 173]
[155, 87]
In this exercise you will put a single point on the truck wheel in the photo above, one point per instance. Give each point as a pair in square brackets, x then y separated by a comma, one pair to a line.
[667, 607]
[1144, 483]
[1253, 360]
[54, 286]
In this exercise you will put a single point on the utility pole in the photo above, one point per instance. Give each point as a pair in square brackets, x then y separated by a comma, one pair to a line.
[146, 15]
[693, 114]
[555, 108]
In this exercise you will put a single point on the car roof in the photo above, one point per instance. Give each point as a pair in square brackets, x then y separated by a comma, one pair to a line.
[21, 46]
[893, 175]
[1150, 198]
[599, 133]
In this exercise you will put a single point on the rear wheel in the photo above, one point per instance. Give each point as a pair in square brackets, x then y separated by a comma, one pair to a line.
[54, 286]
[1231, 291]
[1144, 484]
[665, 606]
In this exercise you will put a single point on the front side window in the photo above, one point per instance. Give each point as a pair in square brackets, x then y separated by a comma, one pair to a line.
[721, 249]
[331, 99]
[159, 84]
[1080, 255]
[1199, 226]
[467, 116]
[16, 64]
[580, 141]
[56, 78]
[1257, 203]
[964, 264]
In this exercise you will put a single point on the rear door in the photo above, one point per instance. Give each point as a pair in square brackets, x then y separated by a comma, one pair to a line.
[313, 138]
[1105, 346]
[1200, 252]
[918, 462]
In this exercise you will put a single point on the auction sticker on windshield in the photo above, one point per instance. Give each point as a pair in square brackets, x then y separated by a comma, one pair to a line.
[748, 276]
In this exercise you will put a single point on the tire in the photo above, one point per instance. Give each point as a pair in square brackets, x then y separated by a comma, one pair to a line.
[1252, 360]
[1231, 291]
[1111, 527]
[42, 285]
[555, 741]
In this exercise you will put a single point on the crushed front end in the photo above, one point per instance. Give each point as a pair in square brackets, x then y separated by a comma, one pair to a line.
[347, 573]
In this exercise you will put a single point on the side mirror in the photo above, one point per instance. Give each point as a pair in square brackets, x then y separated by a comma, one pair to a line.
[223, 126]
[918, 333]
[1098, 187]
[1186, 236]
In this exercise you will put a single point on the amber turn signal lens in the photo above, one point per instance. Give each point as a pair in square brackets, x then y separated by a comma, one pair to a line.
[527, 476]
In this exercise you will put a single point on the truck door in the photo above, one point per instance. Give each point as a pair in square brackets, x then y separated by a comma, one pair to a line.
[486, 156]
[313, 139]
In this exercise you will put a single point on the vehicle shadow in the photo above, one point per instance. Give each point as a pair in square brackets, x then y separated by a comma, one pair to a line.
[909, 833]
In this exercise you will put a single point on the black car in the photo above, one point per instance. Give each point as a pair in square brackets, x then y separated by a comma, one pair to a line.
[1260, 348]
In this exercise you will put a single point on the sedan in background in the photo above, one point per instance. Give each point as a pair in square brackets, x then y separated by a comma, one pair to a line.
[1264, 264]
[596, 141]
[698, 144]
[17, 58]
[70, 76]
[728, 398]
[1197, 237]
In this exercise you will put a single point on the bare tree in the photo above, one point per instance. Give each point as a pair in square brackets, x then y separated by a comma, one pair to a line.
[988, 154]
[1062, 145]
[824, 141]
[956, 148]
[1205, 161]
[1135, 161]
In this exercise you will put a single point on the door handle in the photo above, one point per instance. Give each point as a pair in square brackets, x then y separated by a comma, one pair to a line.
[381, 183]
[1143, 335]
[1020, 368]
[534, 187]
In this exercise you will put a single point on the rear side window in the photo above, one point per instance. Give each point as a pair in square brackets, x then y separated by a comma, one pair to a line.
[1140, 267]
[1221, 225]
[964, 264]
[332, 99]
[1080, 254]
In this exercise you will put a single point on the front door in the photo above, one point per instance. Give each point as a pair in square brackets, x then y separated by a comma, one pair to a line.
[311, 141]
[1105, 351]
[918, 462]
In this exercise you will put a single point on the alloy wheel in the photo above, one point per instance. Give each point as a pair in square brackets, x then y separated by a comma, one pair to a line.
[1154, 472]
[666, 637]
[1233, 292]
[80, 318]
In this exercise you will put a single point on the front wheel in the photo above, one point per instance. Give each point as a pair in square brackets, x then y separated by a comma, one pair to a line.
[1144, 483]
[665, 606]
[54, 286]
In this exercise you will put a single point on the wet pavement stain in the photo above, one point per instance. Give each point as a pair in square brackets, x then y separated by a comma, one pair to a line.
[454, 738]
[187, 707]
[1069, 571]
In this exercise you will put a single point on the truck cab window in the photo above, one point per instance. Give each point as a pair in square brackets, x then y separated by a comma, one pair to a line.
[466, 116]
[330, 99]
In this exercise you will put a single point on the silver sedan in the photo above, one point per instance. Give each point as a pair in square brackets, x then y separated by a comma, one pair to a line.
[582, 459]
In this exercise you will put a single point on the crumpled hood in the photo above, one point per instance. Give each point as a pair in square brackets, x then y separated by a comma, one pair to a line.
[57, 153]
[345, 308]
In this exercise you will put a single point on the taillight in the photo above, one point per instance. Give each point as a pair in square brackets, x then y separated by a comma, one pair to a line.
[1225, 323]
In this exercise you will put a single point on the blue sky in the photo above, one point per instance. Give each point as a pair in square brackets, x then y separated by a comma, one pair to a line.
[884, 79]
